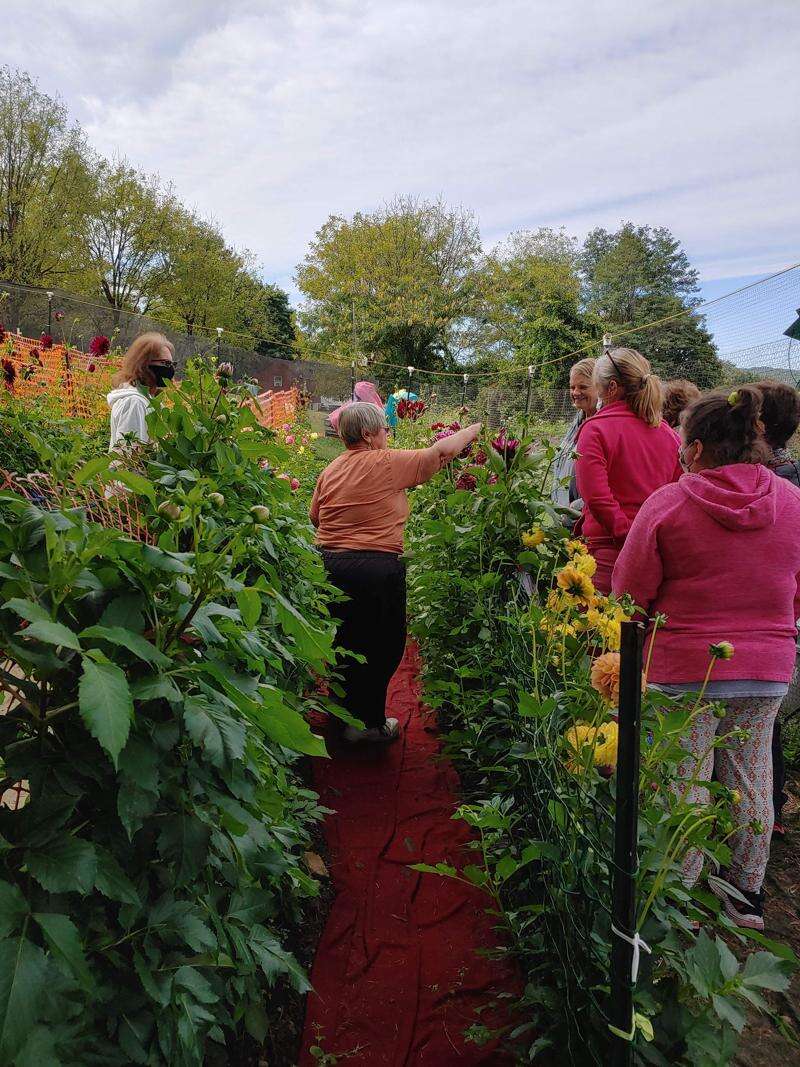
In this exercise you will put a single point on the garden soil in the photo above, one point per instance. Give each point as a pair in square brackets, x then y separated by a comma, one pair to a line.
[402, 969]
[762, 1044]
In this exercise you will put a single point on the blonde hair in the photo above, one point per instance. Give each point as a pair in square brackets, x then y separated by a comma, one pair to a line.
[357, 419]
[584, 368]
[136, 362]
[640, 387]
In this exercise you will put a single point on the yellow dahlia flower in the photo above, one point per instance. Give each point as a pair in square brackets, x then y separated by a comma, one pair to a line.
[574, 582]
[534, 537]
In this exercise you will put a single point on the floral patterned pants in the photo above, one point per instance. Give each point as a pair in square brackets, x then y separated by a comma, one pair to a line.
[745, 766]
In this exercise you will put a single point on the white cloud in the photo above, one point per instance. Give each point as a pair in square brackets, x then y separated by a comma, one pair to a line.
[271, 116]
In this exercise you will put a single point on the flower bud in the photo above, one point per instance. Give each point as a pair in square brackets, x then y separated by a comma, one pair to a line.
[216, 499]
[722, 650]
[260, 513]
[294, 485]
[169, 510]
[719, 711]
[222, 417]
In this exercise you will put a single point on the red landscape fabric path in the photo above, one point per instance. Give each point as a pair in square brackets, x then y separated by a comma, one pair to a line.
[396, 975]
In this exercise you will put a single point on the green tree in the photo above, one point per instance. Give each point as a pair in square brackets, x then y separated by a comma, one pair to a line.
[200, 277]
[532, 311]
[639, 275]
[130, 219]
[399, 283]
[43, 182]
[263, 311]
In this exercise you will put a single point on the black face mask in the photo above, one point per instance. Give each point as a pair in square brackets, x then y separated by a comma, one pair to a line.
[162, 372]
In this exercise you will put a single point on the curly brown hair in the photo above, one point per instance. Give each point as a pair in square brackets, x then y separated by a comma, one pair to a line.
[678, 394]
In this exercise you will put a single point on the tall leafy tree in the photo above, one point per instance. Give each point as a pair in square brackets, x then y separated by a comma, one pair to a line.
[130, 220]
[264, 312]
[532, 312]
[641, 274]
[43, 182]
[399, 283]
[201, 275]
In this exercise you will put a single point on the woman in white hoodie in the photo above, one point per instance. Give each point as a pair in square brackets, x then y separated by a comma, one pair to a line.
[146, 367]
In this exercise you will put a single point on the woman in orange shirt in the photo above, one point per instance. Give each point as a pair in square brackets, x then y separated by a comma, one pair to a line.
[360, 509]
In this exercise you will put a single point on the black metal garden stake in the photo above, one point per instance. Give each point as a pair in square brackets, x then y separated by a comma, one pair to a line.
[623, 903]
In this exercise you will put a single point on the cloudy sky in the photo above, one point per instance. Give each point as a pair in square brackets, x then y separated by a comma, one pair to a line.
[270, 116]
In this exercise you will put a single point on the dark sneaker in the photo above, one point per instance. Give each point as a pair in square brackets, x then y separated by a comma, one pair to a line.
[388, 731]
[743, 908]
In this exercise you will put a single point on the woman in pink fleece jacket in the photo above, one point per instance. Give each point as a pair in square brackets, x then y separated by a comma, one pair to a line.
[625, 452]
[718, 554]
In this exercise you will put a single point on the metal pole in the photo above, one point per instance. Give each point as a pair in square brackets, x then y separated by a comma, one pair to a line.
[219, 342]
[49, 312]
[410, 372]
[623, 893]
[353, 311]
[464, 397]
[528, 395]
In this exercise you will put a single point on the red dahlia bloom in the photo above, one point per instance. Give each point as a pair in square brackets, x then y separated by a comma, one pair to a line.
[99, 345]
[467, 481]
[46, 341]
[58, 316]
[437, 426]
[506, 446]
[480, 458]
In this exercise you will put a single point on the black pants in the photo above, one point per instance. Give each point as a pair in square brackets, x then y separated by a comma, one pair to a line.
[372, 623]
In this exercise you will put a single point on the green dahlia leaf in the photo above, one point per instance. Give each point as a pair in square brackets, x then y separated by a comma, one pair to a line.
[64, 942]
[23, 975]
[66, 865]
[106, 706]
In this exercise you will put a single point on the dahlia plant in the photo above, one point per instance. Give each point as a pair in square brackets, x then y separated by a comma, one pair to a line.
[152, 885]
[521, 661]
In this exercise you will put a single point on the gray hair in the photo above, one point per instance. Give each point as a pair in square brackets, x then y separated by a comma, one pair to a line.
[358, 419]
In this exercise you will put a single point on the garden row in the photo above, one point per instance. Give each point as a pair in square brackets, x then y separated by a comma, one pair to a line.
[156, 692]
[521, 664]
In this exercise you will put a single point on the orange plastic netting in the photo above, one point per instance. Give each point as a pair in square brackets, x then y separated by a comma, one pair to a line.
[76, 383]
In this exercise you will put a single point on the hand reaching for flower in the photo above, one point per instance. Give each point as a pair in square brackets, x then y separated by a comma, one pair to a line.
[447, 448]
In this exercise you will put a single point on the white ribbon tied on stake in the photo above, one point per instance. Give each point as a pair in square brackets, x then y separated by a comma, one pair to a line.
[638, 943]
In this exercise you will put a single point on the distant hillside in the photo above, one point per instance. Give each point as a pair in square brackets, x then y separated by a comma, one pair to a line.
[755, 374]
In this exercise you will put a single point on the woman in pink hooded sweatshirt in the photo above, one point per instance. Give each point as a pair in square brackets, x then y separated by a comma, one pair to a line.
[366, 393]
[718, 554]
[625, 452]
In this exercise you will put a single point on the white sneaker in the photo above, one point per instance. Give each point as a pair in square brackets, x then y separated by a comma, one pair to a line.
[389, 731]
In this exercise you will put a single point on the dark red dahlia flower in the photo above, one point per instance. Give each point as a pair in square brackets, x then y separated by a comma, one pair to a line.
[467, 481]
[99, 345]
[46, 341]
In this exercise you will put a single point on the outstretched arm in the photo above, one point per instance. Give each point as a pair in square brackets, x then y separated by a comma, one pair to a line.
[448, 448]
